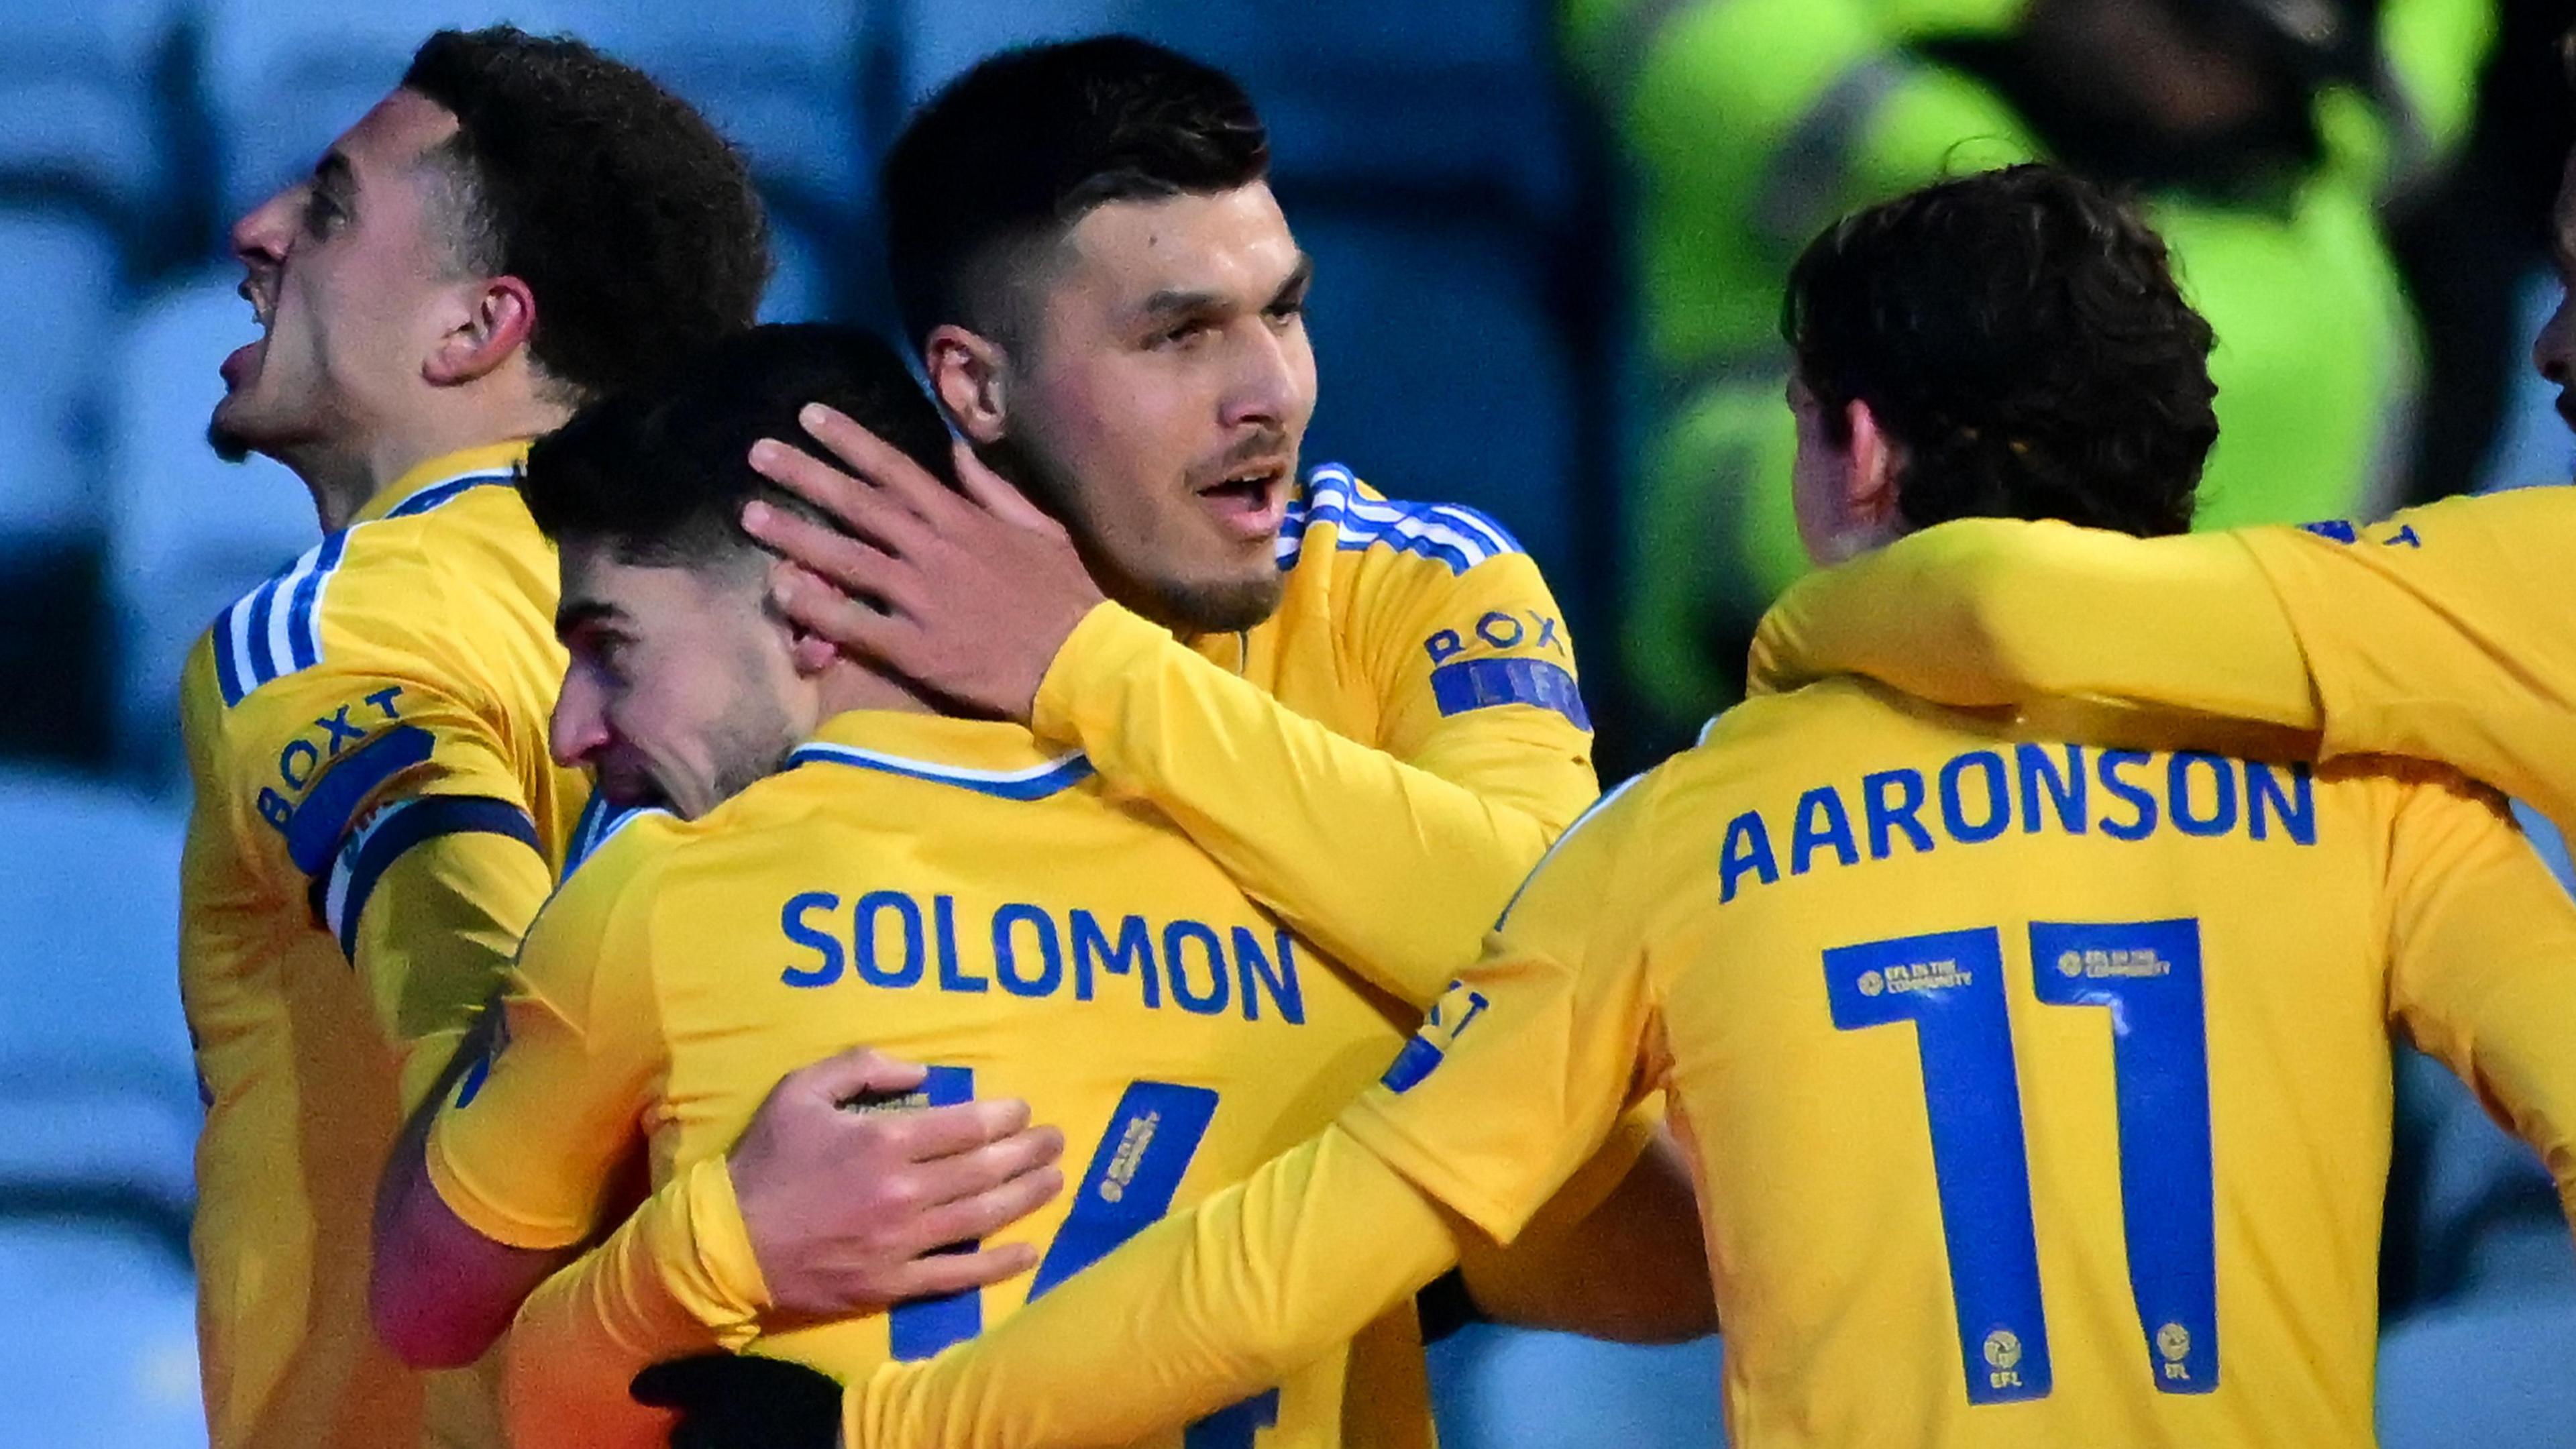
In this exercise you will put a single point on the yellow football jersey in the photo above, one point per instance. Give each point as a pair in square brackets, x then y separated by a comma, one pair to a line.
[2039, 1094]
[2438, 634]
[1416, 665]
[1039, 941]
[391, 686]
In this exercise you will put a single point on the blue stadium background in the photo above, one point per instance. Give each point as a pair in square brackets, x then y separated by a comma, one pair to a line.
[1469, 322]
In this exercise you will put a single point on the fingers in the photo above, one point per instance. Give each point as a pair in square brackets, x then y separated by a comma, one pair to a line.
[854, 1073]
[945, 1273]
[809, 478]
[875, 460]
[981, 1169]
[936, 1132]
[998, 497]
[853, 627]
[875, 531]
[969, 1219]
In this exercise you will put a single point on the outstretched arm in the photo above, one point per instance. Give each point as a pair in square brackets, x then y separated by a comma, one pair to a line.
[2002, 613]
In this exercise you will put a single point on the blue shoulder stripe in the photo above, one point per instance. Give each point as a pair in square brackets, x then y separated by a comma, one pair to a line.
[1034, 783]
[340, 898]
[1457, 536]
[276, 629]
[599, 820]
[316, 827]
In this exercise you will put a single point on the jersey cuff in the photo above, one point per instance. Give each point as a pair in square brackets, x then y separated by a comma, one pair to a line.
[478, 1212]
[1431, 1170]
[1105, 646]
[339, 896]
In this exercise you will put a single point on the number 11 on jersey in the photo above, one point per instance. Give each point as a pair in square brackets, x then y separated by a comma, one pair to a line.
[2146, 977]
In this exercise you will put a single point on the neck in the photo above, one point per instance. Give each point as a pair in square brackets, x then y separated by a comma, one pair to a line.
[844, 686]
[345, 478]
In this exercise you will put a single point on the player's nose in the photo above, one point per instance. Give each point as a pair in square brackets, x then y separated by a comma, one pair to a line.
[263, 234]
[1263, 390]
[580, 723]
[2554, 352]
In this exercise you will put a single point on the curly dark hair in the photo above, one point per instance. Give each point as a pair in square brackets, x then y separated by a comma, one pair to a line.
[2020, 334]
[660, 472]
[1018, 148]
[631, 220]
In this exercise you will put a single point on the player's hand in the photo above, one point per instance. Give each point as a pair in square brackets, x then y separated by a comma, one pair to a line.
[746, 1402]
[970, 597]
[847, 1210]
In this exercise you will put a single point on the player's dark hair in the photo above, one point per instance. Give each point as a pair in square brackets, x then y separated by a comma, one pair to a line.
[660, 472]
[1019, 148]
[2020, 334]
[634, 224]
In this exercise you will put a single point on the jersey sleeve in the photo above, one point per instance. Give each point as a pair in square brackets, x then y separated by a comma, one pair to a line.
[2483, 964]
[526, 1149]
[677, 1277]
[1192, 1314]
[391, 804]
[2439, 635]
[1392, 859]
[1524, 1066]
[1985, 613]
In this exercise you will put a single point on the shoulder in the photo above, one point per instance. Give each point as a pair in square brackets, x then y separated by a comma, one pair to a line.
[1335, 513]
[448, 567]
[606, 889]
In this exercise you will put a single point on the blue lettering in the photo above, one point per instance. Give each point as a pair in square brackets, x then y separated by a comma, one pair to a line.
[384, 698]
[2405, 537]
[863, 935]
[1444, 644]
[2222, 818]
[305, 750]
[1954, 811]
[2144, 824]
[2066, 790]
[274, 808]
[1254, 967]
[1887, 814]
[1547, 633]
[1134, 952]
[337, 722]
[1821, 821]
[952, 972]
[791, 919]
[1177, 961]
[1748, 847]
[2298, 810]
[1006, 956]
[1500, 630]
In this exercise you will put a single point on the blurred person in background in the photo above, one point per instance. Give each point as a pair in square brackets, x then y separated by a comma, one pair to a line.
[521, 224]
[2266, 137]
[1846, 939]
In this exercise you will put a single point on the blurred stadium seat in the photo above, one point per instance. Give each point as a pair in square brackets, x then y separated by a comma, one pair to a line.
[1443, 377]
[76, 101]
[288, 75]
[1502, 1388]
[187, 533]
[98, 1105]
[62, 271]
[97, 1338]
[2493, 1375]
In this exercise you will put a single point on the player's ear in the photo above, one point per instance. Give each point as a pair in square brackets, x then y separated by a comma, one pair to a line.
[966, 371]
[491, 321]
[1869, 491]
[810, 652]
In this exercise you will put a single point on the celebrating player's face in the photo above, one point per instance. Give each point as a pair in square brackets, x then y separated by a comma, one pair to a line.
[1158, 405]
[2556, 351]
[680, 690]
[340, 270]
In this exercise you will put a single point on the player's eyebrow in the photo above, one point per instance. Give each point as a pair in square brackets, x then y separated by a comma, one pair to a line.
[1179, 301]
[573, 614]
[335, 172]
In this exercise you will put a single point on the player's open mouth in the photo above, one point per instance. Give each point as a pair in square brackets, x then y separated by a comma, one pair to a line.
[243, 360]
[1251, 500]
